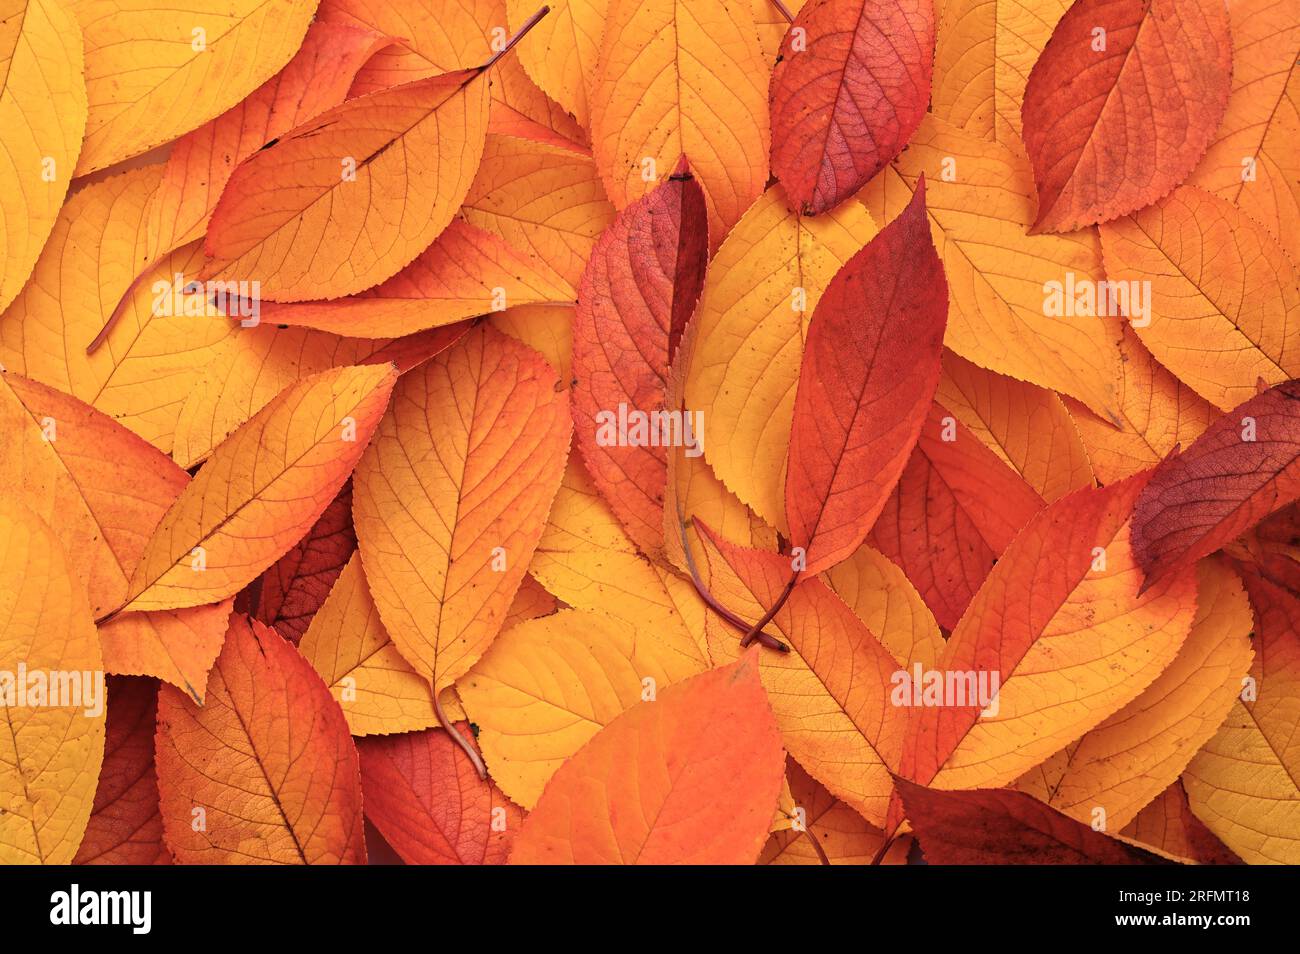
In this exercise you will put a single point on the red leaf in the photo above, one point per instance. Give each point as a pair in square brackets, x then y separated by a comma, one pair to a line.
[294, 588]
[870, 369]
[955, 509]
[1245, 466]
[430, 805]
[999, 827]
[1114, 121]
[850, 87]
[637, 292]
[125, 827]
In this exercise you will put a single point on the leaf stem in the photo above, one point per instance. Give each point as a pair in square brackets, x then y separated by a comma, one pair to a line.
[776, 608]
[789, 18]
[771, 642]
[456, 736]
[519, 35]
[817, 846]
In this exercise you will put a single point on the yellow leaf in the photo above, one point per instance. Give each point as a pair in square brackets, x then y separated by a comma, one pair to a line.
[880, 594]
[155, 353]
[42, 121]
[452, 496]
[983, 53]
[561, 51]
[50, 755]
[760, 291]
[548, 685]
[1245, 782]
[980, 198]
[1224, 298]
[155, 72]
[1253, 161]
[547, 329]
[586, 560]
[669, 71]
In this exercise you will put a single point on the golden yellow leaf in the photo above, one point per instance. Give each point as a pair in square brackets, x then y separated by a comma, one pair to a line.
[162, 343]
[980, 198]
[547, 329]
[562, 49]
[668, 72]
[155, 72]
[548, 685]
[541, 198]
[452, 496]
[1253, 161]
[1133, 756]
[50, 755]
[1224, 297]
[1245, 782]
[760, 291]
[983, 54]
[42, 121]
[1027, 426]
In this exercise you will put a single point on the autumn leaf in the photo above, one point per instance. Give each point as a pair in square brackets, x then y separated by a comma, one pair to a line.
[308, 218]
[466, 272]
[1060, 636]
[265, 771]
[1002, 315]
[1116, 769]
[992, 827]
[451, 499]
[842, 836]
[714, 732]
[43, 118]
[638, 291]
[564, 48]
[53, 748]
[652, 102]
[261, 490]
[1214, 276]
[1122, 104]
[1243, 784]
[429, 804]
[155, 72]
[762, 285]
[954, 510]
[164, 338]
[201, 162]
[1168, 824]
[831, 692]
[125, 826]
[1245, 466]
[547, 685]
[851, 83]
[860, 405]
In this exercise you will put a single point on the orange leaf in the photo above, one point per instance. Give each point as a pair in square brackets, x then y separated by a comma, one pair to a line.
[861, 401]
[702, 789]
[201, 162]
[1122, 104]
[262, 489]
[1058, 638]
[265, 771]
[349, 198]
